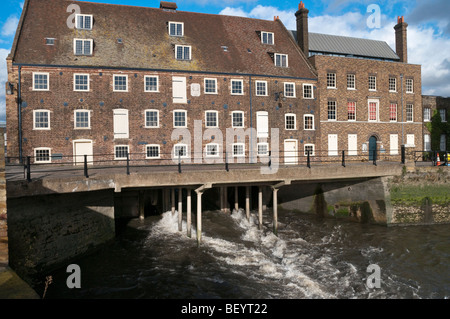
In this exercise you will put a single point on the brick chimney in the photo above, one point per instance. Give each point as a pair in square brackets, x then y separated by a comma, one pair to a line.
[168, 6]
[401, 45]
[302, 28]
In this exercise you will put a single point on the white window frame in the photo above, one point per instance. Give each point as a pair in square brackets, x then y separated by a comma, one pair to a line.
[427, 144]
[175, 155]
[285, 121]
[242, 87]
[444, 113]
[91, 47]
[83, 27]
[157, 83]
[443, 143]
[75, 119]
[304, 122]
[409, 86]
[281, 60]
[48, 81]
[75, 82]
[262, 144]
[293, 89]
[335, 111]
[267, 33]
[145, 118]
[333, 76]
[185, 118]
[313, 149]
[232, 119]
[114, 82]
[410, 107]
[176, 24]
[217, 119]
[243, 149]
[34, 120]
[377, 111]
[215, 85]
[183, 46]
[115, 152]
[374, 77]
[408, 137]
[353, 80]
[426, 114]
[351, 120]
[152, 157]
[312, 91]
[43, 149]
[395, 85]
[207, 152]
[396, 112]
[265, 88]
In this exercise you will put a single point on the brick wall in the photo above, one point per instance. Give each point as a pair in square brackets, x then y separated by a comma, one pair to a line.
[3, 212]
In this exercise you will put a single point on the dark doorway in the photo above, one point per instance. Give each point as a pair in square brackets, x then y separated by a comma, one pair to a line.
[372, 147]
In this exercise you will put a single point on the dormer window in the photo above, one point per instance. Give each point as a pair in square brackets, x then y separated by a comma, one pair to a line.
[182, 52]
[267, 37]
[176, 29]
[84, 21]
[281, 60]
[82, 46]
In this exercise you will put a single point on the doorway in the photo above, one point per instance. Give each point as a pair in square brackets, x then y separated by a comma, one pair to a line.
[372, 147]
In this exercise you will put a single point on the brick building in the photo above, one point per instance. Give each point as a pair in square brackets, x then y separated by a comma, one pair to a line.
[436, 128]
[106, 80]
[369, 96]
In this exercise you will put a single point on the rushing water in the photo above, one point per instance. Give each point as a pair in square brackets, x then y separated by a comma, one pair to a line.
[310, 258]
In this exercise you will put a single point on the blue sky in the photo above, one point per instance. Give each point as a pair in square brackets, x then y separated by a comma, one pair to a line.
[428, 31]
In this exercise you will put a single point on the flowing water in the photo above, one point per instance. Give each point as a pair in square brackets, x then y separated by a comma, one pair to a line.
[310, 258]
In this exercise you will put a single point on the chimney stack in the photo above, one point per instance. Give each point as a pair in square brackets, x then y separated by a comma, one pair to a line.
[302, 28]
[401, 45]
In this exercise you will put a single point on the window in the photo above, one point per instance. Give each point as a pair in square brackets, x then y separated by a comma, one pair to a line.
[372, 83]
[443, 143]
[84, 21]
[237, 119]
[331, 80]
[409, 86]
[267, 37]
[373, 111]
[82, 119]
[152, 151]
[179, 118]
[263, 149]
[179, 92]
[308, 91]
[309, 122]
[212, 150]
[309, 148]
[351, 111]
[82, 46]
[81, 82]
[180, 150]
[290, 122]
[426, 114]
[151, 83]
[210, 86]
[176, 29]
[40, 81]
[41, 120]
[281, 60]
[42, 155]
[120, 123]
[152, 118]
[443, 114]
[427, 142]
[182, 52]
[393, 112]
[351, 82]
[331, 110]
[50, 41]
[289, 89]
[237, 87]
[262, 124]
[120, 83]
[410, 140]
[392, 85]
[261, 88]
[211, 119]
[409, 113]
[120, 152]
[238, 149]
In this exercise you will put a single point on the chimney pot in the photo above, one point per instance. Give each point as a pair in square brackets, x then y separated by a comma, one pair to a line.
[302, 28]
[401, 46]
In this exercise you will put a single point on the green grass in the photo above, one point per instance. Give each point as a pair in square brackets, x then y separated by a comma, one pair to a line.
[414, 195]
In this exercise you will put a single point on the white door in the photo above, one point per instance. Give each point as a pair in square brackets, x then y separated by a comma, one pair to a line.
[290, 152]
[179, 94]
[262, 124]
[332, 145]
[81, 148]
[394, 144]
[121, 129]
[352, 144]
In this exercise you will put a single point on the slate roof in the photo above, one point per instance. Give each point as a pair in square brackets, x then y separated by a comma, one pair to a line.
[358, 47]
[147, 44]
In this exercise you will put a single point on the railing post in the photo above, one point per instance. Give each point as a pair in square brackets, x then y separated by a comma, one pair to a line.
[343, 158]
[28, 169]
[85, 167]
[403, 154]
[128, 163]
[226, 162]
[270, 158]
[308, 160]
[179, 161]
[375, 157]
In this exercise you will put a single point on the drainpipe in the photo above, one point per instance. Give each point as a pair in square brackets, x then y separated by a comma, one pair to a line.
[401, 78]
[19, 112]
[251, 117]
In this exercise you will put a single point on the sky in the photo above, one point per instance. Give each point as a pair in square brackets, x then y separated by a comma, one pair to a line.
[428, 30]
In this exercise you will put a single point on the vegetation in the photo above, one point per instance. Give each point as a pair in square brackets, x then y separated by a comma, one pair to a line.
[436, 128]
[415, 194]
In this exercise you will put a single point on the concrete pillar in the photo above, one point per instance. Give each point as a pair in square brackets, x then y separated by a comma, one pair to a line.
[141, 204]
[166, 199]
[236, 199]
[180, 208]
[173, 200]
[225, 195]
[247, 202]
[199, 217]
[275, 211]
[222, 200]
[260, 207]
[188, 212]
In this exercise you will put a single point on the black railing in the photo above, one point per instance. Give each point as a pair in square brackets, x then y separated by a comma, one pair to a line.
[431, 158]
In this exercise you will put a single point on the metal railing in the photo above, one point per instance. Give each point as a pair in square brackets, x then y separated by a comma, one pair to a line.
[431, 158]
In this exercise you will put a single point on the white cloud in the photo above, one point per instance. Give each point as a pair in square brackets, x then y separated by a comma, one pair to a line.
[10, 26]
[237, 12]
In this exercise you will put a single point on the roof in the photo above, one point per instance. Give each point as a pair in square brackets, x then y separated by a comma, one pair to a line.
[146, 43]
[358, 47]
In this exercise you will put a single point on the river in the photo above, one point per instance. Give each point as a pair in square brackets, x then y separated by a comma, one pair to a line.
[310, 258]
